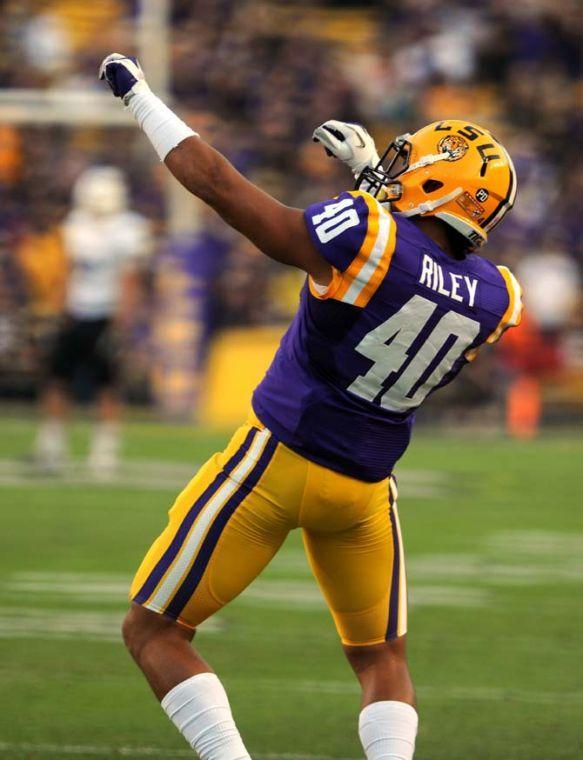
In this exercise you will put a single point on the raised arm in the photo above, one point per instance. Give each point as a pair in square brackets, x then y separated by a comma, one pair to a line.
[277, 230]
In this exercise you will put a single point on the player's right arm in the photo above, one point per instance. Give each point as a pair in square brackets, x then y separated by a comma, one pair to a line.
[277, 230]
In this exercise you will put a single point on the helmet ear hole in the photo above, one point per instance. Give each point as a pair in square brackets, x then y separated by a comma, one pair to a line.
[431, 185]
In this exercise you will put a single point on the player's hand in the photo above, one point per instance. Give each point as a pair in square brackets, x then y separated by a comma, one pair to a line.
[350, 143]
[122, 74]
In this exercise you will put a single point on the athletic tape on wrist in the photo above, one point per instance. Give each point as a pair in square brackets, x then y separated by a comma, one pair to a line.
[159, 123]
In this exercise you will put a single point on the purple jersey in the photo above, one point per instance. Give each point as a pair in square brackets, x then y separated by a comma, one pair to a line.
[399, 319]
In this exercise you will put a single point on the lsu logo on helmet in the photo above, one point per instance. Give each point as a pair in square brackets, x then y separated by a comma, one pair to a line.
[454, 170]
[454, 146]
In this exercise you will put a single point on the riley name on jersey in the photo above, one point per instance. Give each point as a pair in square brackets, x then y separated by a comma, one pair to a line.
[459, 287]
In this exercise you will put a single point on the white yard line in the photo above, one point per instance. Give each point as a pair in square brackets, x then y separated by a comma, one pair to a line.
[547, 544]
[95, 750]
[426, 693]
[146, 474]
[85, 589]
[32, 623]
[92, 750]
[286, 593]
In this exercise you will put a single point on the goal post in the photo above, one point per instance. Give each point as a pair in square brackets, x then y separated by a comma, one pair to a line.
[92, 108]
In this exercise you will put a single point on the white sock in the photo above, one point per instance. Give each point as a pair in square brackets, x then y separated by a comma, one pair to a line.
[199, 708]
[387, 730]
[105, 446]
[50, 446]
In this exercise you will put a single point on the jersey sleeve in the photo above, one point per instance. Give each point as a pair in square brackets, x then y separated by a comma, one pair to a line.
[357, 236]
[513, 314]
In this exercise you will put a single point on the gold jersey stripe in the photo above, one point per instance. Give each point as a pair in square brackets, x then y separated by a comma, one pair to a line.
[361, 258]
[362, 278]
[382, 268]
[513, 314]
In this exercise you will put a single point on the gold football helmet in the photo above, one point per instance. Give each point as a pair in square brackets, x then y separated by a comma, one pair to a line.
[453, 170]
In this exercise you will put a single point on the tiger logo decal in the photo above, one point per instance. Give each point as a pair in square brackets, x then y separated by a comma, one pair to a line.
[455, 145]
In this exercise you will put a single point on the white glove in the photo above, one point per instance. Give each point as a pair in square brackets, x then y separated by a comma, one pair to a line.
[163, 128]
[351, 143]
[124, 75]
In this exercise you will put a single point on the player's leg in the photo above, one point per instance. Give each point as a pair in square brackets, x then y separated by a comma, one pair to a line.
[103, 359]
[388, 719]
[222, 532]
[361, 571]
[50, 446]
[382, 671]
[105, 446]
[190, 693]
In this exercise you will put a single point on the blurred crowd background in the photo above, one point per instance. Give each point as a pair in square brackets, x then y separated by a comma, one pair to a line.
[255, 78]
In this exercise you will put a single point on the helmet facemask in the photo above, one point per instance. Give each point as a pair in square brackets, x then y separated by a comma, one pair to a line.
[381, 181]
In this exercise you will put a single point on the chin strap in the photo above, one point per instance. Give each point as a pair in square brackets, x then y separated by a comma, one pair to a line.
[427, 206]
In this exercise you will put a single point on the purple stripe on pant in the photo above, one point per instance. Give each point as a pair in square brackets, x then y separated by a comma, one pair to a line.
[171, 552]
[193, 578]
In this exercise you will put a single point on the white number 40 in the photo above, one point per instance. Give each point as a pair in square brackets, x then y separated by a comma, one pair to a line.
[389, 347]
[335, 219]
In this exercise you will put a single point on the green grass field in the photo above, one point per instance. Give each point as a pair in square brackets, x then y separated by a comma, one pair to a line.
[494, 537]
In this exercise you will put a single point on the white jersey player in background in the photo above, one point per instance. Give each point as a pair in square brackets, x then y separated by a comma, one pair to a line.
[105, 243]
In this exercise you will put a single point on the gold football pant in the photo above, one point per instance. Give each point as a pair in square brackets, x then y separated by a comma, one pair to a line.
[233, 516]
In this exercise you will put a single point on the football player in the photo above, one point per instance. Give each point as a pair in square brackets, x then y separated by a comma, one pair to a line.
[105, 243]
[395, 304]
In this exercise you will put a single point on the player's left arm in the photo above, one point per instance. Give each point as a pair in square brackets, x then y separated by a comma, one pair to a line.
[276, 229]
